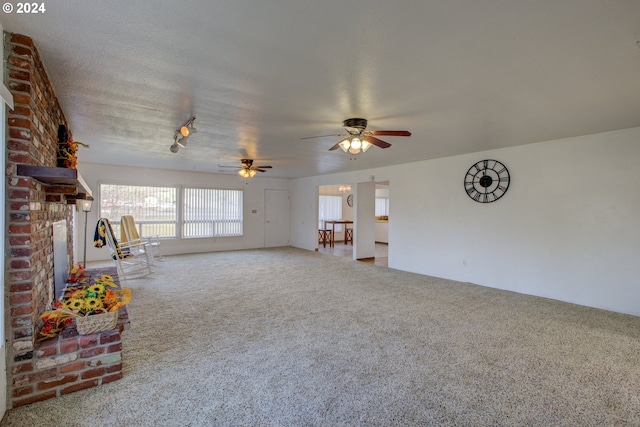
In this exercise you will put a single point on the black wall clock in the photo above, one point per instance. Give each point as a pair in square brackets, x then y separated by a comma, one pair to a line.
[486, 181]
[350, 200]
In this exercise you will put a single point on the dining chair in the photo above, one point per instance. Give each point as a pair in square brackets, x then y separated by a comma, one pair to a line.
[348, 235]
[325, 236]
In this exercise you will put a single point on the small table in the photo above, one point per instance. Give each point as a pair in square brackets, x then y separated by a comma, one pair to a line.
[333, 223]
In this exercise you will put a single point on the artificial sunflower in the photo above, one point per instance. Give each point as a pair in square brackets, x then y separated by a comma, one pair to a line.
[93, 304]
[76, 274]
[75, 304]
[106, 280]
[66, 304]
[97, 289]
[79, 294]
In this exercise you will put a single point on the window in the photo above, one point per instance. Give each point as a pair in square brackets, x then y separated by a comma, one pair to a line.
[382, 206]
[212, 212]
[205, 212]
[329, 208]
[154, 208]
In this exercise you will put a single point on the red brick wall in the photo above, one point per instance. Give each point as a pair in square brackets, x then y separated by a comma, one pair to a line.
[33, 207]
[68, 364]
[33, 123]
[39, 370]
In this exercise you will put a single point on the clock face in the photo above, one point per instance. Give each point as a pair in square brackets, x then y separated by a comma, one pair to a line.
[350, 200]
[486, 181]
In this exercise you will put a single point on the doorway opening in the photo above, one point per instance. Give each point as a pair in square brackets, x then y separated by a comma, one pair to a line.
[336, 204]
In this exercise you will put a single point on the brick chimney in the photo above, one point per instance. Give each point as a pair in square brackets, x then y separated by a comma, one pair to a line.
[33, 206]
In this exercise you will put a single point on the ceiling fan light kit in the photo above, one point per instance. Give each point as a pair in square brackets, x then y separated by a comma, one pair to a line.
[355, 145]
[182, 134]
[248, 169]
[358, 139]
[247, 173]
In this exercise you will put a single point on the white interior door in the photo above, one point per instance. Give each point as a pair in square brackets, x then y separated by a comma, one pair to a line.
[276, 218]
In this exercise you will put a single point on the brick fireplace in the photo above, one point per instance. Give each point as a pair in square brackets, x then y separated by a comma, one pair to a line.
[38, 370]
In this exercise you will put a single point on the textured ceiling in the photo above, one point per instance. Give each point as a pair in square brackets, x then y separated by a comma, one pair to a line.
[462, 76]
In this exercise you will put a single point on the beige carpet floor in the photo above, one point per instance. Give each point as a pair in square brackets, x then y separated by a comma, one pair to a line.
[285, 337]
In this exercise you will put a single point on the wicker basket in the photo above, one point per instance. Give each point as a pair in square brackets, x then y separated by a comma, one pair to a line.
[96, 323]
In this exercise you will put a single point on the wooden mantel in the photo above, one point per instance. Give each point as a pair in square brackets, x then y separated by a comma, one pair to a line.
[57, 176]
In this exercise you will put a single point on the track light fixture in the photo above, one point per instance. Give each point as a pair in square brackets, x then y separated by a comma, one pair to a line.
[181, 136]
[187, 128]
[181, 141]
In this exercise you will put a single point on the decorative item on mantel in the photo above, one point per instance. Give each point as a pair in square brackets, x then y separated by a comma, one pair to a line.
[93, 306]
[67, 149]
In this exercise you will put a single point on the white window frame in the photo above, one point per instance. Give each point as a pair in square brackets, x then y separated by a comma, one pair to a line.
[226, 222]
[141, 205]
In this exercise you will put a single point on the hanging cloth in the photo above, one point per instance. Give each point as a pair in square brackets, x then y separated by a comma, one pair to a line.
[100, 238]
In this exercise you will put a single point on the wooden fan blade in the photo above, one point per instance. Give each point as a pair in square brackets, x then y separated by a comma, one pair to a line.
[377, 142]
[234, 167]
[335, 147]
[324, 136]
[391, 132]
[259, 170]
[263, 167]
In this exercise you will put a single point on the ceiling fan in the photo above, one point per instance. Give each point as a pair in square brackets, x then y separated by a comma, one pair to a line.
[247, 170]
[359, 139]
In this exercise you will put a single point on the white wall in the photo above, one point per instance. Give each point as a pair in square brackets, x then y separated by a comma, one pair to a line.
[568, 228]
[364, 242]
[254, 199]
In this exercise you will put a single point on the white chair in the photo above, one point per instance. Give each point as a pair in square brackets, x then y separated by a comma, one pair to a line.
[132, 259]
[129, 234]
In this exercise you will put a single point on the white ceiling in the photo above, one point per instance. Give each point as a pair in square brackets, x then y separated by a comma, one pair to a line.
[462, 76]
